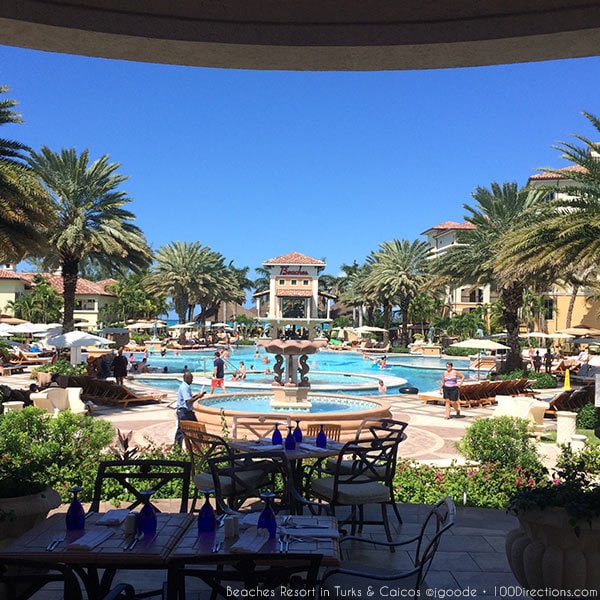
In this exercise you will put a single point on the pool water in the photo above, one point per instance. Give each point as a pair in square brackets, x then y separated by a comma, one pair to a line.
[327, 368]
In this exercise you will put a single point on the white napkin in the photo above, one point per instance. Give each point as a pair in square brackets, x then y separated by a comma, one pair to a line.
[90, 540]
[249, 520]
[265, 448]
[311, 447]
[113, 517]
[249, 542]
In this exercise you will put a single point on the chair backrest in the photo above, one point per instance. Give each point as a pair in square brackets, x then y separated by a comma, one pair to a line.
[332, 430]
[136, 476]
[437, 522]
[257, 427]
[256, 571]
[201, 445]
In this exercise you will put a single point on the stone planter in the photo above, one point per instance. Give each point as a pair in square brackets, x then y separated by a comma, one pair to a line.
[18, 515]
[545, 552]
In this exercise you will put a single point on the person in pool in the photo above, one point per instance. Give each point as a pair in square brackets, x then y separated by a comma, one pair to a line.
[449, 388]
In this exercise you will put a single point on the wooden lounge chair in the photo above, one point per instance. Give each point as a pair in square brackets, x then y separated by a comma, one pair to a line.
[11, 369]
[559, 402]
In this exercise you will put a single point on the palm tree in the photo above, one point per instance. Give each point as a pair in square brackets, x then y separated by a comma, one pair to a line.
[88, 218]
[398, 273]
[475, 259]
[23, 201]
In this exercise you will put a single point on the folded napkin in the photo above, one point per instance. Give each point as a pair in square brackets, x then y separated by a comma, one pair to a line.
[249, 520]
[312, 532]
[248, 542]
[113, 517]
[311, 447]
[90, 540]
[266, 448]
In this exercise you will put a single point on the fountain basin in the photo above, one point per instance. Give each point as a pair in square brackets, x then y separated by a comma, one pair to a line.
[350, 413]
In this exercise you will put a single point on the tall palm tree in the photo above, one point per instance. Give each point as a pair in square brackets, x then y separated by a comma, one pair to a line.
[474, 260]
[398, 273]
[23, 201]
[88, 218]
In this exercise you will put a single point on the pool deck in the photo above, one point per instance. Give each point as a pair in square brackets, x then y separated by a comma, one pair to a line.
[471, 556]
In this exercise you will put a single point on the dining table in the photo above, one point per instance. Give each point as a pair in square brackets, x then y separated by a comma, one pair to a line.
[98, 551]
[209, 551]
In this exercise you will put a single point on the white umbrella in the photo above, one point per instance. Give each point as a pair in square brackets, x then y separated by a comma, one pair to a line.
[581, 330]
[183, 326]
[480, 344]
[369, 329]
[538, 334]
[76, 340]
[561, 336]
[29, 328]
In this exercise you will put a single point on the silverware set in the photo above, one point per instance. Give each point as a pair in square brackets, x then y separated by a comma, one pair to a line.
[284, 543]
[217, 546]
[131, 545]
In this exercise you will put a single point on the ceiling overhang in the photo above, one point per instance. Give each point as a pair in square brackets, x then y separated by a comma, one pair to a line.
[345, 35]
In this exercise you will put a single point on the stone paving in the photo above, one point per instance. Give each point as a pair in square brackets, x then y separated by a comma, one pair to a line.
[471, 558]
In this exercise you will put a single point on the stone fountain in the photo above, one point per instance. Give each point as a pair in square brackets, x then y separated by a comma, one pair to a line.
[291, 384]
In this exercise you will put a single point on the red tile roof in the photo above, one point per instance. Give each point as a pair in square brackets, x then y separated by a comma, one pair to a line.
[84, 286]
[9, 274]
[549, 175]
[294, 258]
[449, 226]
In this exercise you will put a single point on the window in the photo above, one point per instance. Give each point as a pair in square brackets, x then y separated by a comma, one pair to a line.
[282, 282]
[294, 282]
[305, 282]
[548, 309]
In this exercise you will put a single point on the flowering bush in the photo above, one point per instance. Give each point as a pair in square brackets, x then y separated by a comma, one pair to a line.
[485, 486]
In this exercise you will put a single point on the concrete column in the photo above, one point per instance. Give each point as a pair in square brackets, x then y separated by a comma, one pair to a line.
[565, 426]
[578, 442]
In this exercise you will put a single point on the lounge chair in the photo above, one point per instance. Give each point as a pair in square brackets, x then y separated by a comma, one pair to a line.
[11, 369]
[57, 399]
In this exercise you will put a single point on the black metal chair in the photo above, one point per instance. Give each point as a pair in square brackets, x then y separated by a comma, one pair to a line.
[358, 577]
[263, 574]
[21, 579]
[135, 476]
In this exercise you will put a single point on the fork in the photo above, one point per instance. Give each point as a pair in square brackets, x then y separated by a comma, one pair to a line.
[217, 546]
[54, 543]
[131, 545]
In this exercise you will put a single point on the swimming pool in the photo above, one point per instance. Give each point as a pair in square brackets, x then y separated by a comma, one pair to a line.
[343, 372]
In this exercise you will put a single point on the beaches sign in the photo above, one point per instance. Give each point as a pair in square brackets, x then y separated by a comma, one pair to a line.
[289, 271]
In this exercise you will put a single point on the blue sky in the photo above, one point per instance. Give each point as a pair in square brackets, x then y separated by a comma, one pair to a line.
[257, 164]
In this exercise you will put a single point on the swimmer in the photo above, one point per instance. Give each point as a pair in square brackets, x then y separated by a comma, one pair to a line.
[381, 387]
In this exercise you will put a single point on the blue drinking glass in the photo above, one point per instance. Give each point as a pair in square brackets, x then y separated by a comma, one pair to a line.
[298, 432]
[146, 520]
[290, 442]
[277, 439]
[207, 521]
[75, 519]
[321, 438]
[266, 519]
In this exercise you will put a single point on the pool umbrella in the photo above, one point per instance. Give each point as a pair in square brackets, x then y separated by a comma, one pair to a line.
[480, 344]
[76, 340]
[581, 330]
[585, 340]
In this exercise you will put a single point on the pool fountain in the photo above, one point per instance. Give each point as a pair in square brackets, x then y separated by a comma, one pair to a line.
[291, 384]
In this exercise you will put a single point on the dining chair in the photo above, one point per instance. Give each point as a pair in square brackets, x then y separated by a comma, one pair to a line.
[332, 430]
[244, 427]
[264, 574]
[21, 579]
[136, 476]
[357, 577]
[196, 450]
[369, 480]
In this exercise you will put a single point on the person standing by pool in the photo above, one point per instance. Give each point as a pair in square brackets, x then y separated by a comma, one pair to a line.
[218, 378]
[449, 388]
[119, 366]
[242, 370]
[185, 401]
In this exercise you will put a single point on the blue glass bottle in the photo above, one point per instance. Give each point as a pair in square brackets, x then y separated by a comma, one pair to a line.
[207, 521]
[266, 519]
[321, 440]
[146, 520]
[75, 519]
[277, 439]
[298, 432]
[290, 442]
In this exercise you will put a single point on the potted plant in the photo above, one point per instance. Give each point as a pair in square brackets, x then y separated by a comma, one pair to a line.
[558, 542]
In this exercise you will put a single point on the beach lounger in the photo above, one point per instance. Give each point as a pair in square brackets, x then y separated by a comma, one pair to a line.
[11, 369]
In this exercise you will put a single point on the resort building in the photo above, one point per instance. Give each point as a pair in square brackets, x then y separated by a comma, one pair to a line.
[465, 298]
[90, 296]
[293, 297]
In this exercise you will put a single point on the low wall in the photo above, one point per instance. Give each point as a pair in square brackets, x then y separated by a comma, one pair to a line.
[350, 420]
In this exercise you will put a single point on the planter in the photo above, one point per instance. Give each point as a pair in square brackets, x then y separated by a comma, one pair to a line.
[545, 552]
[18, 515]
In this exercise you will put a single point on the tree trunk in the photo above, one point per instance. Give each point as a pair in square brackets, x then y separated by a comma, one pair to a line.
[512, 299]
[70, 271]
[404, 335]
[572, 299]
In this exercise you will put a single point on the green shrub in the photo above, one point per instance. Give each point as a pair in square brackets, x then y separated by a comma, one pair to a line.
[484, 486]
[62, 367]
[59, 452]
[451, 351]
[588, 417]
[502, 441]
[400, 350]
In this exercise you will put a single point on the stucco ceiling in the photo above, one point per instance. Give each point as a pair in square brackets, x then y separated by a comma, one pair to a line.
[308, 34]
